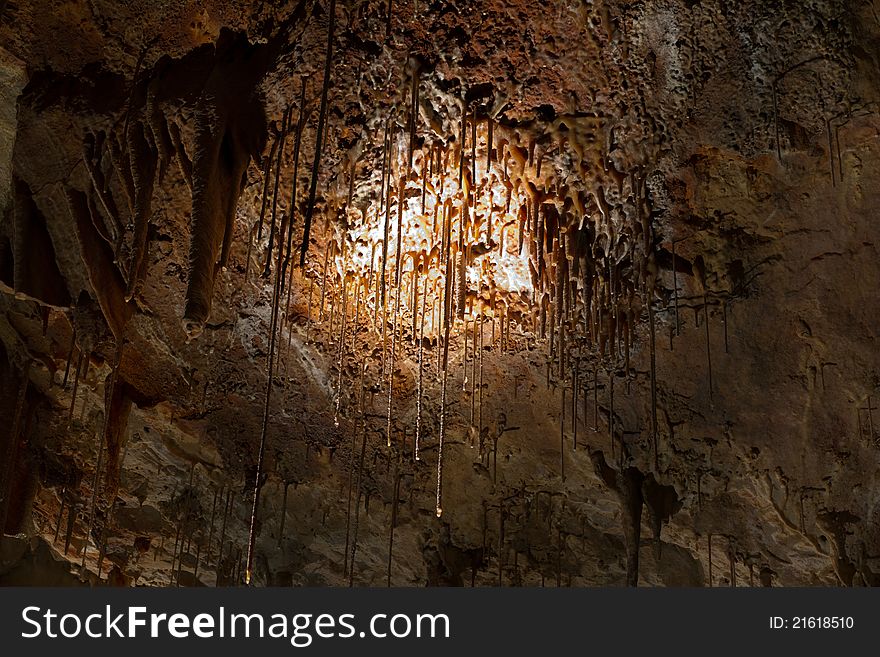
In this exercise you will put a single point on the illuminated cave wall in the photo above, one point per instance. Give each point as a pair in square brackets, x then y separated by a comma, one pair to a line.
[460, 294]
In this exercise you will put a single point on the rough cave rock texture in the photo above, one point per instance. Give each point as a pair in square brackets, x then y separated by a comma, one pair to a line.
[710, 171]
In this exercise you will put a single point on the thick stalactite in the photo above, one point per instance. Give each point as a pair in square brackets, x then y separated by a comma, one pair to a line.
[230, 129]
[628, 485]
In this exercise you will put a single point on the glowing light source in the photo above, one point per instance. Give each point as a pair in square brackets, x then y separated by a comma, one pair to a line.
[478, 223]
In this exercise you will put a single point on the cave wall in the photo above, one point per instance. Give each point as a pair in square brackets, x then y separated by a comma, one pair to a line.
[753, 127]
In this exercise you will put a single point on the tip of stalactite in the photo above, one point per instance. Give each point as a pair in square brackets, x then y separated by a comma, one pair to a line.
[247, 577]
[192, 328]
[439, 512]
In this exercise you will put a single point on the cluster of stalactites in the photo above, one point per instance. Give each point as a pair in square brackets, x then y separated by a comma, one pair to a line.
[543, 232]
[493, 225]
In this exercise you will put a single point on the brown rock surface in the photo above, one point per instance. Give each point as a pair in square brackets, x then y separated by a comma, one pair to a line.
[714, 161]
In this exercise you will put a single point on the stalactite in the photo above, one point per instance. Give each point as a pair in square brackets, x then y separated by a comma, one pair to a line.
[731, 556]
[357, 507]
[831, 152]
[480, 402]
[655, 438]
[558, 557]
[461, 151]
[710, 559]
[675, 292]
[464, 376]
[351, 468]
[117, 406]
[500, 541]
[341, 360]
[386, 159]
[283, 514]
[391, 367]
[413, 115]
[574, 405]
[489, 143]
[230, 499]
[92, 162]
[438, 507]
[474, 377]
[217, 493]
[95, 482]
[420, 392]
[387, 227]
[230, 128]
[144, 160]
[98, 224]
[294, 186]
[327, 252]
[185, 535]
[69, 358]
[562, 431]
[178, 538]
[285, 128]
[627, 482]
[460, 282]
[394, 502]
[267, 178]
[322, 113]
[611, 413]
[699, 491]
[414, 302]
[79, 365]
[708, 345]
[473, 175]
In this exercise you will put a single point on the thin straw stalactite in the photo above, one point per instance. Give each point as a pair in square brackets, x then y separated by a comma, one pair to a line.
[322, 117]
[285, 225]
[285, 128]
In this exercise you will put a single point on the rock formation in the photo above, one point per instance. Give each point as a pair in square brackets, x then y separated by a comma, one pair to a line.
[483, 293]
